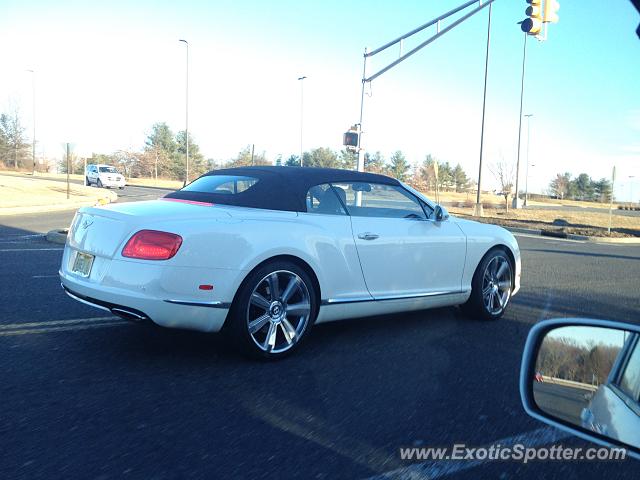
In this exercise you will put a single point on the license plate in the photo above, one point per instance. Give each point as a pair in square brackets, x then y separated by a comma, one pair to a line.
[82, 264]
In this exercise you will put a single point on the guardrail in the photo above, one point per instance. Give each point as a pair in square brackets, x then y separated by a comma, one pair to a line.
[569, 383]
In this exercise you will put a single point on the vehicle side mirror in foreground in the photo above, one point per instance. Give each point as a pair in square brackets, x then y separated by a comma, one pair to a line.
[440, 213]
[583, 376]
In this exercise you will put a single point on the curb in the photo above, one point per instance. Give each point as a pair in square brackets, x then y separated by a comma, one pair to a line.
[530, 231]
[573, 236]
[110, 198]
[57, 236]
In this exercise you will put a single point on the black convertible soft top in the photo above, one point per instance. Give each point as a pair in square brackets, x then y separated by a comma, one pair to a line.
[278, 188]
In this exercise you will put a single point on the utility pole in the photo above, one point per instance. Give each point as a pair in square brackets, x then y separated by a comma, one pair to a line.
[516, 203]
[613, 182]
[186, 180]
[301, 79]
[33, 153]
[68, 168]
[526, 175]
[478, 208]
[252, 149]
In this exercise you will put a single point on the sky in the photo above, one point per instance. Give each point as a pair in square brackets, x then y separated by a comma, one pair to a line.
[105, 72]
[586, 335]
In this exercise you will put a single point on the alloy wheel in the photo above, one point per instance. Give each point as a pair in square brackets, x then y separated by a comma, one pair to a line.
[278, 312]
[496, 285]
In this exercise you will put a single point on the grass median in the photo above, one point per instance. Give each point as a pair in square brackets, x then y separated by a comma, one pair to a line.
[27, 195]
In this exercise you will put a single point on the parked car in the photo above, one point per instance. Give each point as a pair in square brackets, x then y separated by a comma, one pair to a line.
[104, 176]
[263, 253]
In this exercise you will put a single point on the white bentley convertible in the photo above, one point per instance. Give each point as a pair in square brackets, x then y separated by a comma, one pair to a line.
[263, 253]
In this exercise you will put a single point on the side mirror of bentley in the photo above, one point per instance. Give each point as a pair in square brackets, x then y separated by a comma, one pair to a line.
[583, 376]
[440, 213]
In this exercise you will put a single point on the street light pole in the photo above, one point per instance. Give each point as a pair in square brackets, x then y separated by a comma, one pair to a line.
[186, 180]
[33, 152]
[301, 79]
[478, 209]
[516, 203]
[526, 178]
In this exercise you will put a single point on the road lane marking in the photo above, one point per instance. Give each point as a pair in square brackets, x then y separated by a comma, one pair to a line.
[10, 326]
[27, 328]
[30, 249]
[443, 468]
[116, 323]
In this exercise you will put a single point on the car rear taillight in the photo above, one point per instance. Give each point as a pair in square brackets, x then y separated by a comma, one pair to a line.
[152, 245]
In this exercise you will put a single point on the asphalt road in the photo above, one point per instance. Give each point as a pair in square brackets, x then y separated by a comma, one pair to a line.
[85, 395]
[561, 401]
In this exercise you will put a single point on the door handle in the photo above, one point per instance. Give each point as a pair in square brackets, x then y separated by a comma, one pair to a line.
[368, 236]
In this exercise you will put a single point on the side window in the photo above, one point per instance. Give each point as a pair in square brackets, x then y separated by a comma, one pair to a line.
[379, 200]
[325, 199]
[630, 378]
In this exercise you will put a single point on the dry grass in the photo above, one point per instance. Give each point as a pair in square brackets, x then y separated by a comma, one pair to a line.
[25, 192]
[579, 221]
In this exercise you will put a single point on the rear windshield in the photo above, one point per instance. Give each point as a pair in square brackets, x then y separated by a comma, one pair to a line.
[108, 170]
[221, 184]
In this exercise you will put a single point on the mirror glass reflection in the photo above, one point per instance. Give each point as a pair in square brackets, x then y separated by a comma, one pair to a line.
[590, 377]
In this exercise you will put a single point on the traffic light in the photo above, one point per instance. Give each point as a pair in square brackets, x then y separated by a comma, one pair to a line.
[350, 139]
[551, 8]
[533, 24]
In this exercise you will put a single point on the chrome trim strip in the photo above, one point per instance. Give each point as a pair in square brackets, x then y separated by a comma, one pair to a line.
[216, 304]
[124, 311]
[82, 300]
[335, 301]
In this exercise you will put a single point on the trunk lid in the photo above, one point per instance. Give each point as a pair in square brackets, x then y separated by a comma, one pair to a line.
[102, 230]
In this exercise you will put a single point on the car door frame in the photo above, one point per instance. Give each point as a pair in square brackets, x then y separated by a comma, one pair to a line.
[428, 289]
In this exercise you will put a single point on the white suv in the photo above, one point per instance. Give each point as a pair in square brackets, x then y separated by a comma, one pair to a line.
[104, 176]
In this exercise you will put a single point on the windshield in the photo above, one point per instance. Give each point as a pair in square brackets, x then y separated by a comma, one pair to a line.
[108, 170]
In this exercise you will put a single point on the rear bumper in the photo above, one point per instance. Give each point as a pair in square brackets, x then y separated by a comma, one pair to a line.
[170, 313]
[113, 183]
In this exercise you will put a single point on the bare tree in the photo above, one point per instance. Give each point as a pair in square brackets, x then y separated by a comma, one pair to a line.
[503, 171]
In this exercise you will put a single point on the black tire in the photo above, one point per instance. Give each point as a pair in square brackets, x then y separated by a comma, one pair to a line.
[490, 288]
[269, 312]
[99, 183]
[88, 182]
[121, 188]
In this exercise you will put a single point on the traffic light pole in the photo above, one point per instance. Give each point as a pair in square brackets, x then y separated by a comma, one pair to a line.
[516, 202]
[360, 165]
[439, 32]
[478, 208]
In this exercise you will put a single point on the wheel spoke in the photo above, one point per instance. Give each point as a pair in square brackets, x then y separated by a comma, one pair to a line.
[293, 283]
[259, 301]
[258, 323]
[270, 340]
[505, 284]
[502, 269]
[288, 331]
[500, 300]
[269, 328]
[274, 286]
[486, 291]
[492, 301]
[301, 309]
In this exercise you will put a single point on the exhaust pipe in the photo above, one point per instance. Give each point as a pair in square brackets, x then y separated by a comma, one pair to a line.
[128, 314]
